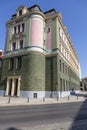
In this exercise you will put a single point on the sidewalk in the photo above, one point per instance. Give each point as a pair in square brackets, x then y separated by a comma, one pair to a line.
[15, 101]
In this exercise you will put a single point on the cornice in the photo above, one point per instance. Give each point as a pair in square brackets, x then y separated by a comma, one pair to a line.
[25, 15]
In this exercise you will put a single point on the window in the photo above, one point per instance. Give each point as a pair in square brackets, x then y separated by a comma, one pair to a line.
[23, 27]
[60, 66]
[19, 62]
[60, 84]
[63, 67]
[15, 30]
[35, 95]
[60, 47]
[13, 46]
[64, 87]
[18, 28]
[10, 87]
[20, 12]
[21, 44]
[48, 30]
[11, 64]
[16, 87]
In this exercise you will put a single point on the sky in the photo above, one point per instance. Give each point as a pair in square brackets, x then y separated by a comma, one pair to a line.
[74, 16]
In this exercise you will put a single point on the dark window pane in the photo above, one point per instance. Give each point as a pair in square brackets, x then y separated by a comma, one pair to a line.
[18, 28]
[13, 46]
[60, 84]
[11, 64]
[35, 95]
[23, 27]
[19, 62]
[20, 12]
[60, 66]
[14, 30]
[21, 44]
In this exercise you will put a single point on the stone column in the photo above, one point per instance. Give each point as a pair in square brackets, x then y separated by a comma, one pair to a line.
[7, 87]
[12, 90]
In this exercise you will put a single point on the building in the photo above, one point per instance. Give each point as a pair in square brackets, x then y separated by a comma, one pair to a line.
[83, 84]
[0, 64]
[39, 58]
[0, 61]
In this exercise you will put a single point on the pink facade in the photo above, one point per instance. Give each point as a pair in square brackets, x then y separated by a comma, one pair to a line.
[49, 37]
[36, 34]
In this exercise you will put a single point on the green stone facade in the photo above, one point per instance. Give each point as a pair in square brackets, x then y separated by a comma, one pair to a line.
[32, 72]
[51, 73]
[40, 73]
[70, 81]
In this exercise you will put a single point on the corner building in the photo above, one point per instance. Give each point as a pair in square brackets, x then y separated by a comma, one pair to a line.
[39, 59]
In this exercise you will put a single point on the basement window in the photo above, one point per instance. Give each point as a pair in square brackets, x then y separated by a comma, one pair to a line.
[35, 95]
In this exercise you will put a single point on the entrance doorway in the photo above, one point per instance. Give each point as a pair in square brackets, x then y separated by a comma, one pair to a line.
[13, 86]
[10, 87]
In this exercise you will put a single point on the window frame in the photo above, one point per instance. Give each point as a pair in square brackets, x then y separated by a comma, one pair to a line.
[18, 63]
[11, 63]
[20, 12]
[21, 45]
[13, 48]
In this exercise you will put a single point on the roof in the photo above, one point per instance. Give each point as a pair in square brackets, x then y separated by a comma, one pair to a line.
[35, 6]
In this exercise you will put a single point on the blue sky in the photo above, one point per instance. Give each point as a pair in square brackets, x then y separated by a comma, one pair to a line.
[74, 14]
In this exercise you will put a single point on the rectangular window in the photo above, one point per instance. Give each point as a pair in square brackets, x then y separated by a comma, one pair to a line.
[59, 32]
[16, 87]
[35, 95]
[18, 28]
[60, 66]
[11, 64]
[64, 87]
[48, 30]
[19, 62]
[63, 67]
[13, 46]
[20, 12]
[10, 87]
[21, 44]
[60, 84]
[15, 30]
[23, 27]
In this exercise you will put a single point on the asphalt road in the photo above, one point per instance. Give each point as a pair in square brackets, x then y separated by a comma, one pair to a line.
[24, 116]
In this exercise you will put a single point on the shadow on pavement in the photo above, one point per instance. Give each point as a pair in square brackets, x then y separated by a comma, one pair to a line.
[80, 121]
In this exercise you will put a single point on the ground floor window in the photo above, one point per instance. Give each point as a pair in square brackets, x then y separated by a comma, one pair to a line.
[10, 86]
[60, 84]
[35, 95]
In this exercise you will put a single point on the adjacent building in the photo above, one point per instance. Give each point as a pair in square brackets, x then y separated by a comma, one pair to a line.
[83, 84]
[39, 58]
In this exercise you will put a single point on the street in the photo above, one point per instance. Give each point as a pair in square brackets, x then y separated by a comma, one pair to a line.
[26, 116]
